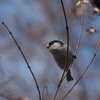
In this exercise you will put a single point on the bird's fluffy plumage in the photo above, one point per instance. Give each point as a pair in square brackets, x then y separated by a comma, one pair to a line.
[59, 51]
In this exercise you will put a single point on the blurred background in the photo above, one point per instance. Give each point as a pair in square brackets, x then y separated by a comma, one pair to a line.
[34, 23]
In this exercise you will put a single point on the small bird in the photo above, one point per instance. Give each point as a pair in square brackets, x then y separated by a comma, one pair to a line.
[59, 51]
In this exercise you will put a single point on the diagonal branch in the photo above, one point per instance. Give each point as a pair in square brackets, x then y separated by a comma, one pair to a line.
[94, 55]
[81, 32]
[79, 38]
[24, 59]
[4, 96]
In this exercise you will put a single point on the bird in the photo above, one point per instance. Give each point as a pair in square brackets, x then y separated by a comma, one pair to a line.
[59, 51]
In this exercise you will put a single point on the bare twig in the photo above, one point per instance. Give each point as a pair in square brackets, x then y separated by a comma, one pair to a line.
[45, 87]
[96, 50]
[81, 32]
[24, 59]
[4, 96]
[80, 37]
[67, 31]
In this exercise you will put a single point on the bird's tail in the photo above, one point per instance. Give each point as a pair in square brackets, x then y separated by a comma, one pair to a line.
[69, 76]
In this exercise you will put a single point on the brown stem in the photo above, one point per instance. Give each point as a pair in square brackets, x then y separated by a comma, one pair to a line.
[67, 32]
[45, 87]
[96, 50]
[24, 59]
[80, 36]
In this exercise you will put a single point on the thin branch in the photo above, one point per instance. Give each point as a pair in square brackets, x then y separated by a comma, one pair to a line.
[67, 31]
[45, 87]
[94, 55]
[79, 38]
[24, 59]
[4, 96]
[81, 30]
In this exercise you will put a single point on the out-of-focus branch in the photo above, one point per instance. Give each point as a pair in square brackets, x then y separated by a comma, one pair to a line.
[94, 55]
[24, 59]
[66, 62]
[45, 87]
[81, 32]
[4, 96]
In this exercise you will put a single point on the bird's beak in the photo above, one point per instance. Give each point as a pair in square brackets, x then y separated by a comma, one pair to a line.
[47, 46]
[74, 56]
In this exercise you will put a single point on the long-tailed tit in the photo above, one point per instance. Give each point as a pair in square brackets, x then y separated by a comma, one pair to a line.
[59, 51]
